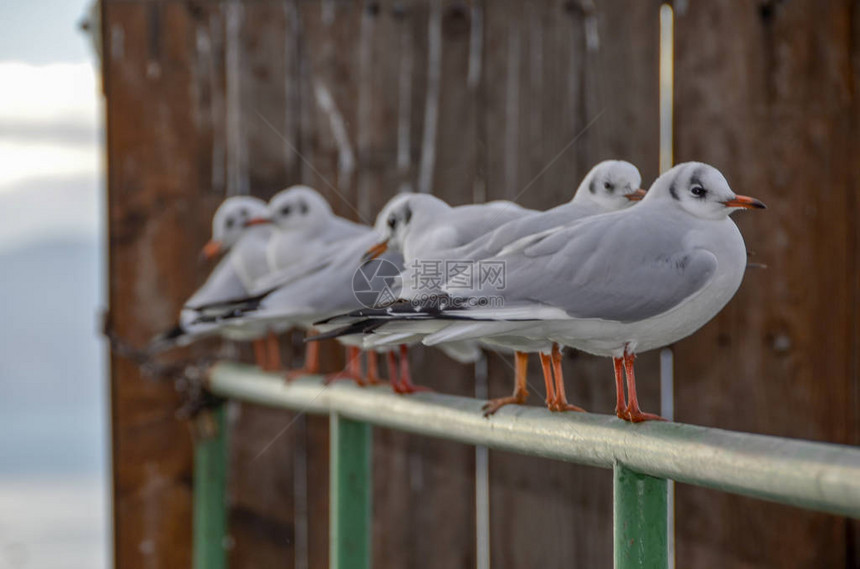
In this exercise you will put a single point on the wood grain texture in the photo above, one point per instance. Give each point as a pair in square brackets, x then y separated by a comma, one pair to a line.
[776, 110]
[158, 203]
[555, 107]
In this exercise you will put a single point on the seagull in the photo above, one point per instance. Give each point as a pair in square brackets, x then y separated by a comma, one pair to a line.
[622, 283]
[425, 229]
[240, 228]
[304, 219]
[609, 186]
[320, 287]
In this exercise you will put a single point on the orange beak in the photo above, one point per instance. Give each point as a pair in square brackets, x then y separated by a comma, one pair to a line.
[745, 202]
[375, 251]
[211, 249]
[257, 221]
[636, 195]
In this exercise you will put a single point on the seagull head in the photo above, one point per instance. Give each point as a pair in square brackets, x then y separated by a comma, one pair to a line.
[299, 208]
[232, 218]
[611, 185]
[700, 190]
[403, 218]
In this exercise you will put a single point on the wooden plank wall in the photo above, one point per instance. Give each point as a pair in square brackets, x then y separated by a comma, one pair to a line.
[767, 92]
[484, 100]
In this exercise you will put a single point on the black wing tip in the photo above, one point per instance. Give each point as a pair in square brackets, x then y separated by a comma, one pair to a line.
[248, 303]
[172, 334]
[361, 327]
[166, 339]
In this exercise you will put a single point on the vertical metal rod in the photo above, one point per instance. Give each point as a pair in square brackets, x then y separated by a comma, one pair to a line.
[667, 410]
[300, 493]
[667, 86]
[482, 478]
[350, 496]
[667, 157]
[210, 490]
[640, 520]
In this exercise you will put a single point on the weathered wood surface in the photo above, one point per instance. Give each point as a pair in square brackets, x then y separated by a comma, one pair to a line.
[554, 108]
[776, 108]
[484, 100]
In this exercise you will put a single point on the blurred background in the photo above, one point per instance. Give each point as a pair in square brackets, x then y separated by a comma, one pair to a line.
[53, 411]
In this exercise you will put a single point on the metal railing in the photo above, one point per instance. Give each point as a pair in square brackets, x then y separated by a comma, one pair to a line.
[818, 476]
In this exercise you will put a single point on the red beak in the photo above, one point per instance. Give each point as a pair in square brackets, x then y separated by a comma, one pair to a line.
[211, 249]
[636, 195]
[257, 221]
[745, 202]
[375, 251]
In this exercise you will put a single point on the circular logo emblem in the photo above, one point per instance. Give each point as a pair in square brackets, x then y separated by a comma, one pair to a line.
[377, 283]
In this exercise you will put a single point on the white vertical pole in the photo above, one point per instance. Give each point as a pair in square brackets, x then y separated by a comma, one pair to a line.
[667, 91]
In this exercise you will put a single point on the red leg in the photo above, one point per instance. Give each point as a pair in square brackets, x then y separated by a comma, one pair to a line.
[405, 384]
[634, 414]
[560, 403]
[352, 371]
[391, 362]
[260, 354]
[274, 352]
[372, 369]
[546, 367]
[620, 403]
[521, 392]
[312, 357]
[312, 362]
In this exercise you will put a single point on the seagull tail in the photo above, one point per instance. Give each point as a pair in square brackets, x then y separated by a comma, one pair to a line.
[167, 340]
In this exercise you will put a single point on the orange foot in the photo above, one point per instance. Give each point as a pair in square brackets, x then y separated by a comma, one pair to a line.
[344, 375]
[404, 387]
[637, 416]
[493, 405]
[294, 374]
[561, 406]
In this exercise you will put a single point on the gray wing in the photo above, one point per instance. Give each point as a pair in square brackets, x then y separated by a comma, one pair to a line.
[325, 286]
[340, 228]
[223, 284]
[316, 255]
[474, 221]
[492, 243]
[607, 270]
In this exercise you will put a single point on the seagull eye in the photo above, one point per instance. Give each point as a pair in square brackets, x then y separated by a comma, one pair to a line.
[229, 223]
[608, 186]
[698, 191]
[392, 221]
[285, 210]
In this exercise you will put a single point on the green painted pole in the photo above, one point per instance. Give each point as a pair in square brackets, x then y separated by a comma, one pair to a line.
[210, 490]
[641, 520]
[351, 481]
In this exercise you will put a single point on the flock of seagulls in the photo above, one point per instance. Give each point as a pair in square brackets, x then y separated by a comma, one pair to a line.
[614, 272]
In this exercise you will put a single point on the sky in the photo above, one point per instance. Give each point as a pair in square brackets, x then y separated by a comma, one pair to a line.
[50, 122]
[53, 409]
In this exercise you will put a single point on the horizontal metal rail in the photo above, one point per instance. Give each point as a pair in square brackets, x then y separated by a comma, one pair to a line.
[818, 476]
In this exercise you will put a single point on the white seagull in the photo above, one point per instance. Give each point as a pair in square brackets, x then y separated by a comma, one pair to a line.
[624, 282]
[241, 228]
